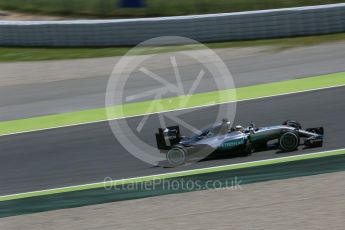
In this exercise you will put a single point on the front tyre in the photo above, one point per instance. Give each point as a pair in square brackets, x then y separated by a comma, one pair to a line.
[176, 156]
[289, 142]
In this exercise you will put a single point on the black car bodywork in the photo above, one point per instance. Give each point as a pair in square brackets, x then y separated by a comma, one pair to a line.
[215, 141]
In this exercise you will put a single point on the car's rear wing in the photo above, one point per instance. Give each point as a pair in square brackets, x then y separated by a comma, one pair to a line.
[168, 137]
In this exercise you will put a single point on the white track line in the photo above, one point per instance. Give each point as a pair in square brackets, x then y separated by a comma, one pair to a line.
[166, 111]
[190, 172]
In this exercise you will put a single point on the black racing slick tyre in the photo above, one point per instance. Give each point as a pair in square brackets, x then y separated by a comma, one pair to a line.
[289, 141]
[176, 156]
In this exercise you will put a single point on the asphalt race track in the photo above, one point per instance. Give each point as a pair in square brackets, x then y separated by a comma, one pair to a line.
[89, 153]
[42, 88]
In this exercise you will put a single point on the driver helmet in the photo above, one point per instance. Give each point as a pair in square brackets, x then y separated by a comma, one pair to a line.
[239, 128]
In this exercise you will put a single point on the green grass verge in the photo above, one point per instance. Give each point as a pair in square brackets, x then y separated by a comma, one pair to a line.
[172, 103]
[112, 8]
[165, 176]
[12, 54]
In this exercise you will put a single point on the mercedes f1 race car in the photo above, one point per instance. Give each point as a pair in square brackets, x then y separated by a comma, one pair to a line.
[224, 140]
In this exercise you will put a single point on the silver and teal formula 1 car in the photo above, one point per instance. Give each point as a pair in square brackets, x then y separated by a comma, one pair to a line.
[221, 139]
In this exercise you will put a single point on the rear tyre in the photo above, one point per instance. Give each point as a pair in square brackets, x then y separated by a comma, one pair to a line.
[289, 142]
[176, 156]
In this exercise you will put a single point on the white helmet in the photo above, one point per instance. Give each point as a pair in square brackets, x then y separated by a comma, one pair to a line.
[239, 128]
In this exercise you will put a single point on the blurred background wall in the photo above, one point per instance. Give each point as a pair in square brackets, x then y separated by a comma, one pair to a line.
[289, 22]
